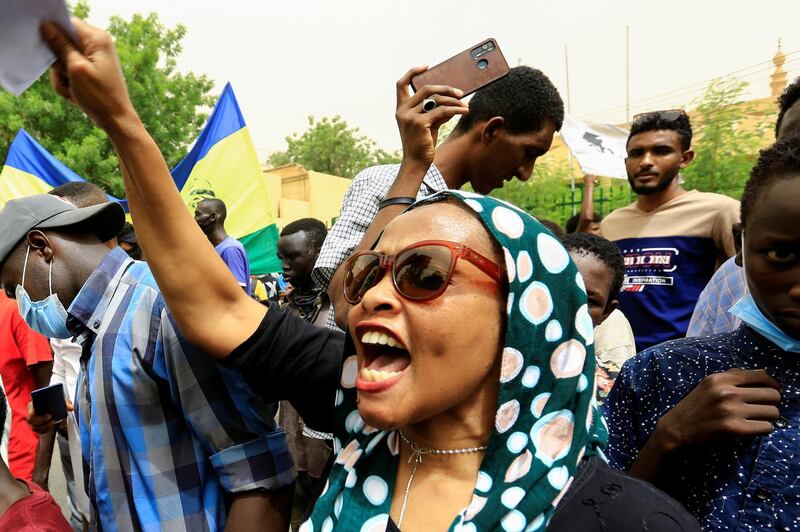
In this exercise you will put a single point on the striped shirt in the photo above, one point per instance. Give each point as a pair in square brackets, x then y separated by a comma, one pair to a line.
[165, 431]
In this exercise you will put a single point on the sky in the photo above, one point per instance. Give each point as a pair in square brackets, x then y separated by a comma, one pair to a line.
[290, 59]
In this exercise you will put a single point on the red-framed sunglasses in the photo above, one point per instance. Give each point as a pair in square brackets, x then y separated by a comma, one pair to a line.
[420, 272]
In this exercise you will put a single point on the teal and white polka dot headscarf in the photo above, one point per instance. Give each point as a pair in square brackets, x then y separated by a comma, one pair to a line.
[546, 420]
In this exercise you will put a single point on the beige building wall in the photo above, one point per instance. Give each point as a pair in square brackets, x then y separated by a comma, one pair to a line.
[326, 193]
[299, 193]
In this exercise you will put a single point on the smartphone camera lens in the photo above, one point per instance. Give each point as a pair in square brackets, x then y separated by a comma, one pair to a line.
[482, 64]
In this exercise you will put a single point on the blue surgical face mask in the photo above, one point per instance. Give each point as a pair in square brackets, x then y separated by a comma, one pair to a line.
[48, 316]
[746, 310]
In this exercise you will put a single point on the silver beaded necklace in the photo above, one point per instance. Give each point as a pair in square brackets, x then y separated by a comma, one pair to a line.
[417, 453]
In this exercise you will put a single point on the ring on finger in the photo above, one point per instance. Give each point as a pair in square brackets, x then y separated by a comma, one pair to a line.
[428, 105]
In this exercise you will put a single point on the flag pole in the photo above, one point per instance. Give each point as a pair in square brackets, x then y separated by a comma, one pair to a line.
[566, 69]
[627, 74]
[569, 110]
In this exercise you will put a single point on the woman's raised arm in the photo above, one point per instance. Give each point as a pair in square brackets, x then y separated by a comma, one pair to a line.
[210, 308]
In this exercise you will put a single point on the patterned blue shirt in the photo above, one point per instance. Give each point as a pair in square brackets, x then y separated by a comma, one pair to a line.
[745, 484]
[165, 431]
[727, 286]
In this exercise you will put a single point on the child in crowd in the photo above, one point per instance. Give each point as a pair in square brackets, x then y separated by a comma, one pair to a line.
[601, 266]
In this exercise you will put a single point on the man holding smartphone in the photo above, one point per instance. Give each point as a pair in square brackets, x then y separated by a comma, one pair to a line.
[66, 367]
[505, 128]
[170, 439]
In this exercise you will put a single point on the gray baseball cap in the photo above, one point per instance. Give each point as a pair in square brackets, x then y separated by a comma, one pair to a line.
[45, 211]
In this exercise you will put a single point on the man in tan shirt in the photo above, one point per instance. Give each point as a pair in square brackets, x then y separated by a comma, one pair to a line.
[672, 239]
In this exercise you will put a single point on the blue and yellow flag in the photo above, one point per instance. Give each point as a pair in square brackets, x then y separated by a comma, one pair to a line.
[30, 169]
[223, 164]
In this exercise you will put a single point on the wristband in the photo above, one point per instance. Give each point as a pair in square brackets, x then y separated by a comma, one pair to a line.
[402, 200]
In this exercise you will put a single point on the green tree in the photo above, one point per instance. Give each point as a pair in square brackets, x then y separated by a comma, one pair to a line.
[446, 129]
[331, 146]
[381, 156]
[727, 136]
[543, 194]
[170, 103]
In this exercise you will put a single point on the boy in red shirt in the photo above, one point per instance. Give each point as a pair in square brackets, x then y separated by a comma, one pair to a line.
[26, 363]
[24, 506]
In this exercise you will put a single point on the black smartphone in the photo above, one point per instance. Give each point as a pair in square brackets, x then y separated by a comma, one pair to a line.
[50, 400]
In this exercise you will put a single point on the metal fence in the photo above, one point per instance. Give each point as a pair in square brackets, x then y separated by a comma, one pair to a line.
[562, 205]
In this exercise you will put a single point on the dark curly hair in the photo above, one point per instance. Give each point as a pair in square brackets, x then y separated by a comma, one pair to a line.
[314, 229]
[780, 161]
[787, 99]
[525, 98]
[605, 250]
[681, 125]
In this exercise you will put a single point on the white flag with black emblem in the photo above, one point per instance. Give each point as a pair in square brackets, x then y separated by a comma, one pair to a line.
[599, 148]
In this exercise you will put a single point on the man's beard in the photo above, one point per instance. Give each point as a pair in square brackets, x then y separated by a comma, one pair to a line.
[663, 184]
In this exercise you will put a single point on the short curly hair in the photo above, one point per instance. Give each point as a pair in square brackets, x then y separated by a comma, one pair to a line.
[787, 99]
[605, 250]
[780, 161]
[525, 98]
[314, 229]
[681, 125]
[80, 193]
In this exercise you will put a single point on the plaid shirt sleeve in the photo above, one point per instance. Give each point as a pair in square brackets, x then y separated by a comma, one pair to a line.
[711, 315]
[702, 322]
[234, 427]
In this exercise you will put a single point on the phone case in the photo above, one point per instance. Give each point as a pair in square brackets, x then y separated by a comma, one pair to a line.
[462, 71]
[50, 400]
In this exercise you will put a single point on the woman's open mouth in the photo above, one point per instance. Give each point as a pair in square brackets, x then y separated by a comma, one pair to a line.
[385, 360]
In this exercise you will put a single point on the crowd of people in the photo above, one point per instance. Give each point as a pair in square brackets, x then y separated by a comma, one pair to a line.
[438, 360]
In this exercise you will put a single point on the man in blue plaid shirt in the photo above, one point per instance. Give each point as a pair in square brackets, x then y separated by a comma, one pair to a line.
[171, 440]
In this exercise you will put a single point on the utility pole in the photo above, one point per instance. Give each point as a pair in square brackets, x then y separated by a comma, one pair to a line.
[627, 74]
[566, 68]
[569, 111]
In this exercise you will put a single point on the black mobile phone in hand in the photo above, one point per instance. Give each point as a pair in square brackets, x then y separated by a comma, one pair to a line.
[50, 400]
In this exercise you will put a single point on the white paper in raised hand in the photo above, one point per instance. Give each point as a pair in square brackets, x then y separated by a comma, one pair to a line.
[23, 54]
